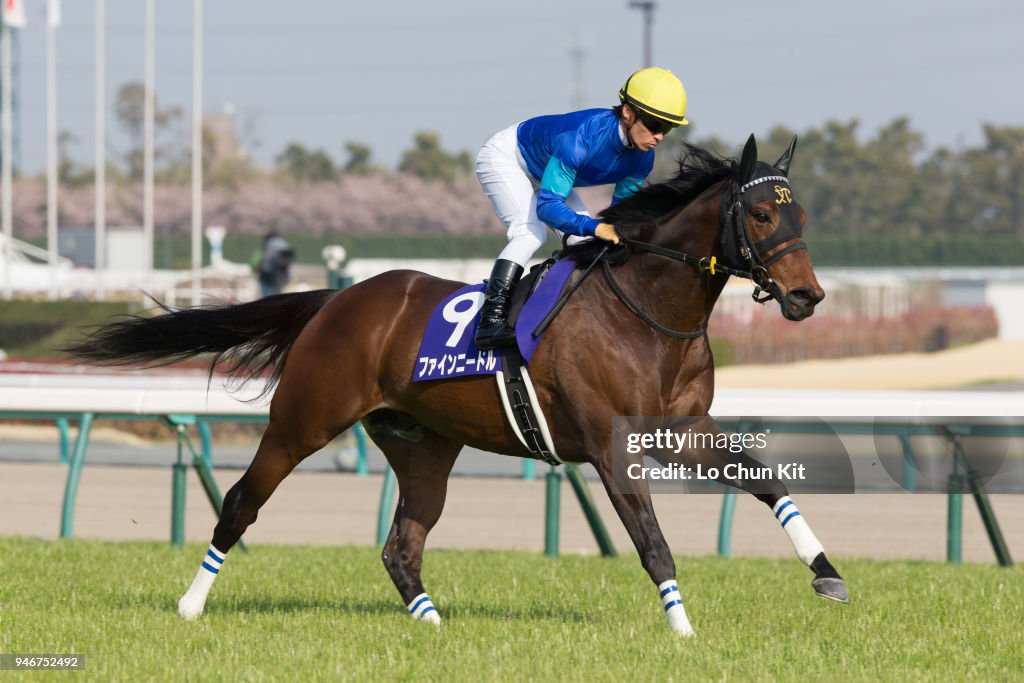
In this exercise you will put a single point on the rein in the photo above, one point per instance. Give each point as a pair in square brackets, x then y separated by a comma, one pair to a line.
[639, 312]
[708, 263]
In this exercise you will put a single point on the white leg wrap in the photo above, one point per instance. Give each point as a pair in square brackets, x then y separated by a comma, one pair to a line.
[672, 602]
[422, 609]
[806, 545]
[192, 603]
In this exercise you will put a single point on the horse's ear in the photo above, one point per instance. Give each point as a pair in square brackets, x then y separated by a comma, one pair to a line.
[783, 163]
[748, 160]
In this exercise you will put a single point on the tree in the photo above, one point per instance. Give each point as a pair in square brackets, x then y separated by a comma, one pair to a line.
[358, 159]
[129, 109]
[303, 164]
[68, 172]
[1003, 175]
[429, 161]
[898, 201]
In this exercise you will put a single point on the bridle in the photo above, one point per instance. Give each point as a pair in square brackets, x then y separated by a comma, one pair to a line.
[739, 246]
[742, 256]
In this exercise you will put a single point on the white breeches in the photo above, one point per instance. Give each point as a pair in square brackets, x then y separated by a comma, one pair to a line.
[513, 192]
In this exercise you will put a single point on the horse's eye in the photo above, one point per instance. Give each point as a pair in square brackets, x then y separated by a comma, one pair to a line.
[761, 217]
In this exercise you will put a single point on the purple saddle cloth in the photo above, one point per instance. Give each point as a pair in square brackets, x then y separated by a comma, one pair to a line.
[447, 349]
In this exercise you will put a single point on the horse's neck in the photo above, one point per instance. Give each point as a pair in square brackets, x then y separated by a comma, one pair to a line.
[676, 294]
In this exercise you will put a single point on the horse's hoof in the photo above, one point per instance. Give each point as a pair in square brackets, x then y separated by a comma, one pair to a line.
[431, 617]
[678, 621]
[188, 609]
[833, 589]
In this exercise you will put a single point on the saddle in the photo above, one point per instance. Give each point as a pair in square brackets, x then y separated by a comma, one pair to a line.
[527, 286]
[518, 396]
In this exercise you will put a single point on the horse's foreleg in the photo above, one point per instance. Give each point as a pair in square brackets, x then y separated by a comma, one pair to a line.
[827, 583]
[277, 456]
[773, 493]
[422, 461]
[636, 511]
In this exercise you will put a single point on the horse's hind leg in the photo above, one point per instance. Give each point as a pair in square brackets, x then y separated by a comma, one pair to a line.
[280, 450]
[422, 461]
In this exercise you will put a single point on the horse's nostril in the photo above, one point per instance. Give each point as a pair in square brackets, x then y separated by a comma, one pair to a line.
[804, 297]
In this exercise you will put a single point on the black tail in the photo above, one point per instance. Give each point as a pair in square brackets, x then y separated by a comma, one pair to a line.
[253, 337]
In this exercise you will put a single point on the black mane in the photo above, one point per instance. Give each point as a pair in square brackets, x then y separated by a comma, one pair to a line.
[699, 169]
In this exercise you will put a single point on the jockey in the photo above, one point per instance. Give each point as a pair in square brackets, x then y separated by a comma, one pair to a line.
[530, 169]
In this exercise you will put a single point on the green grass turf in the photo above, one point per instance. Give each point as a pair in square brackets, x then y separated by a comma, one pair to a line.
[301, 613]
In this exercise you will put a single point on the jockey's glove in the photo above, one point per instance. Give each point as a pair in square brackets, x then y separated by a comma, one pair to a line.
[606, 231]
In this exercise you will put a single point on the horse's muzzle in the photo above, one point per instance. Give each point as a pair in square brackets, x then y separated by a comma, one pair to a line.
[800, 302]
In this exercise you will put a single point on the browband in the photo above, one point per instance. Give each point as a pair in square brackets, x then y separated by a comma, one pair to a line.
[765, 179]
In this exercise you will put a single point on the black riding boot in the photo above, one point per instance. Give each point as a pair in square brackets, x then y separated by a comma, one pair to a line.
[494, 329]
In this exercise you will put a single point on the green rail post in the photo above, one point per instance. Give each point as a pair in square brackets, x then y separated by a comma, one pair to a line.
[362, 461]
[205, 442]
[209, 485]
[528, 469]
[988, 518]
[65, 442]
[386, 510]
[178, 493]
[725, 517]
[552, 511]
[725, 523]
[909, 470]
[579, 486]
[201, 463]
[988, 515]
[67, 518]
[955, 518]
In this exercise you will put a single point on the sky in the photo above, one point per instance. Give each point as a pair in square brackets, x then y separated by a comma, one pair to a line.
[325, 73]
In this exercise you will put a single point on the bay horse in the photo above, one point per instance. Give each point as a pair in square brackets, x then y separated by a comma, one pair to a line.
[633, 343]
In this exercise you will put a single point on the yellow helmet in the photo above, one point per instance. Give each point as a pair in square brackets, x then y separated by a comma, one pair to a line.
[657, 92]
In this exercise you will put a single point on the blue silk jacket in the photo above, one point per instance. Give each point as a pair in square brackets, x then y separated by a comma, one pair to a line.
[579, 149]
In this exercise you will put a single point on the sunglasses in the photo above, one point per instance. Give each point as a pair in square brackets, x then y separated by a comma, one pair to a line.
[655, 126]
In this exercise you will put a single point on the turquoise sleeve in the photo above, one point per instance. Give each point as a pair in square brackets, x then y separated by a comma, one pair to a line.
[558, 181]
[626, 187]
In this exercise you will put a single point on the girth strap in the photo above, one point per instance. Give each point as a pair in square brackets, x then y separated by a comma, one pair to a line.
[523, 409]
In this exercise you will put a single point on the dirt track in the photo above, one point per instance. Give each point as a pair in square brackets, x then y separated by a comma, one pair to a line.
[989, 362]
[133, 503]
[121, 503]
